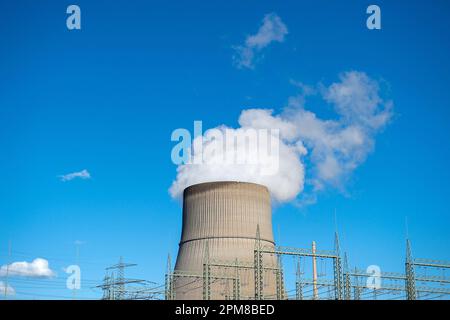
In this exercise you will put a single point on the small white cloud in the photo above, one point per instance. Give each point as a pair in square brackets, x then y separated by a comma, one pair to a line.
[38, 268]
[272, 30]
[84, 174]
[357, 100]
[6, 289]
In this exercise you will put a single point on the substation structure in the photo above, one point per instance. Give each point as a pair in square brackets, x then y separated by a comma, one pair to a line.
[346, 283]
[116, 286]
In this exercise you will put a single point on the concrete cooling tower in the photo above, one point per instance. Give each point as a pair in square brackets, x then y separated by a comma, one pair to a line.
[220, 221]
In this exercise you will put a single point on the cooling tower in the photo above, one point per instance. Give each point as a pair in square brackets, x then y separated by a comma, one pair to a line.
[220, 221]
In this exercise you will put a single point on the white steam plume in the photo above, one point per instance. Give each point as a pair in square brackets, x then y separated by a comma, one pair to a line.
[330, 149]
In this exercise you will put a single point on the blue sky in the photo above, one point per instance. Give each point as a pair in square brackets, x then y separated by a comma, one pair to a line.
[107, 97]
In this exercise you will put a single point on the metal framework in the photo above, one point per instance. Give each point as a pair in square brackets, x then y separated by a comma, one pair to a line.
[258, 260]
[210, 278]
[334, 255]
[298, 282]
[117, 287]
[169, 281]
[347, 280]
[411, 279]
[347, 283]
[409, 270]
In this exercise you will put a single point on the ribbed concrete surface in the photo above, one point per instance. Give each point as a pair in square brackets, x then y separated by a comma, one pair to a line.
[225, 215]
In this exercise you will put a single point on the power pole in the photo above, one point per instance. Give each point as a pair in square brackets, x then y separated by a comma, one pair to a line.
[106, 288]
[169, 280]
[409, 270]
[280, 279]
[356, 289]
[347, 281]
[298, 283]
[258, 266]
[111, 288]
[7, 268]
[337, 269]
[120, 280]
[314, 267]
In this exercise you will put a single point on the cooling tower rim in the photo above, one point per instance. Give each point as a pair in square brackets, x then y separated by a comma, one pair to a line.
[226, 238]
[222, 182]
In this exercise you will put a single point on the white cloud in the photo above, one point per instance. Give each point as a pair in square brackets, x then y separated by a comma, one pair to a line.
[38, 268]
[272, 30]
[320, 152]
[340, 145]
[356, 99]
[9, 290]
[84, 174]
